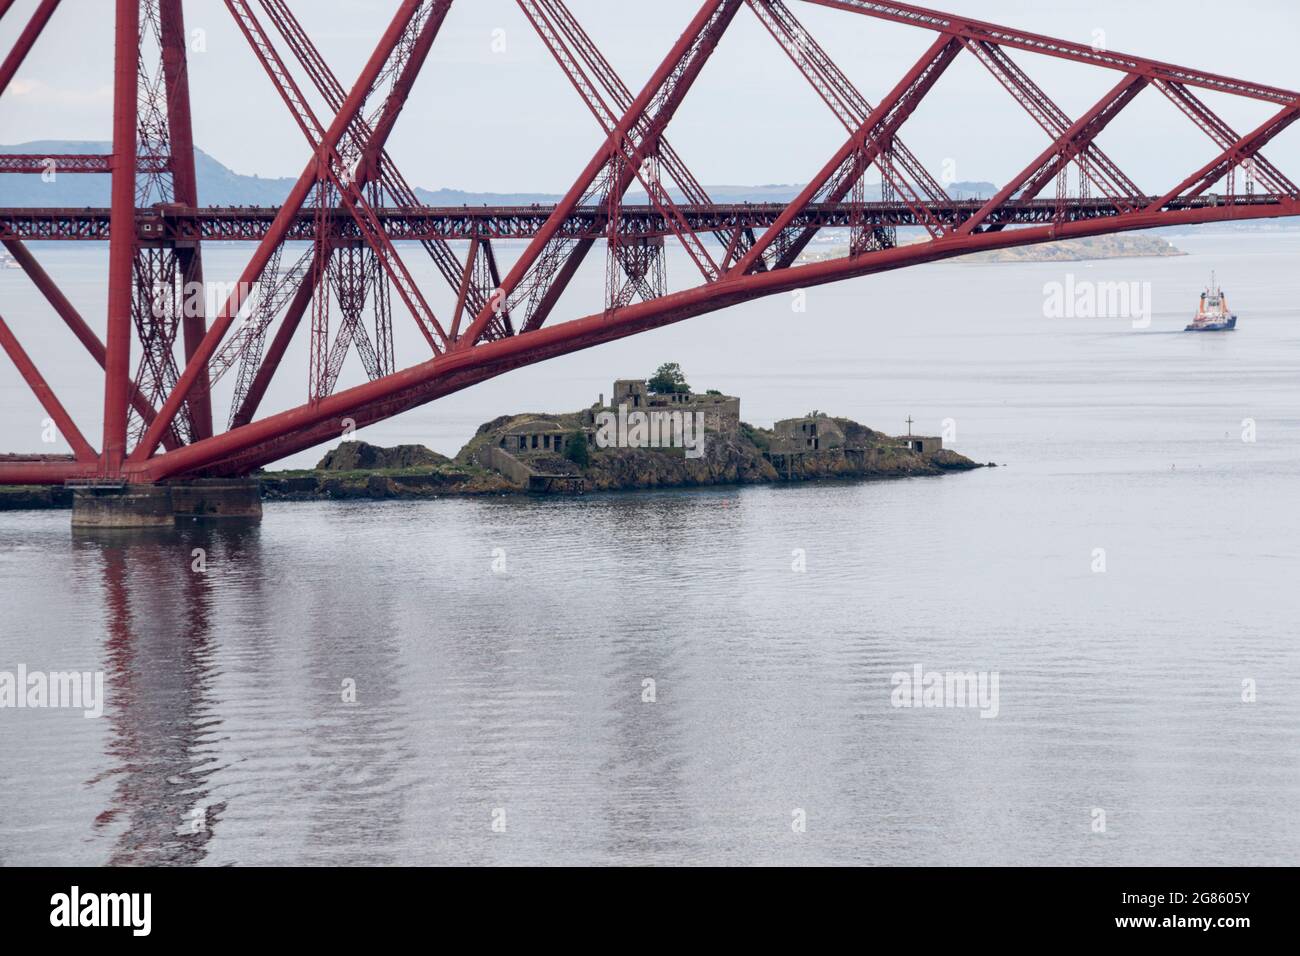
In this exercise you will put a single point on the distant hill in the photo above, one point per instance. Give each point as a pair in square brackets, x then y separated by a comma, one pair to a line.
[218, 185]
[221, 186]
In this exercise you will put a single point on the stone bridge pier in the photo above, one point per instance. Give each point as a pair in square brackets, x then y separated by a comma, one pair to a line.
[122, 505]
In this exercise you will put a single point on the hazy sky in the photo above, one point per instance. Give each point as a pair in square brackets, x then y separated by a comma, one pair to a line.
[509, 120]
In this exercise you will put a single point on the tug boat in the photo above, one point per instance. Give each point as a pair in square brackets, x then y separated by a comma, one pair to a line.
[1213, 314]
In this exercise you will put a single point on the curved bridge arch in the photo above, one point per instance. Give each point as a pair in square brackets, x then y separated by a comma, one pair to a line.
[352, 204]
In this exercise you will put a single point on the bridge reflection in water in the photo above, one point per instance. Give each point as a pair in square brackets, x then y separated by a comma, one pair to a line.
[183, 712]
[158, 676]
[526, 691]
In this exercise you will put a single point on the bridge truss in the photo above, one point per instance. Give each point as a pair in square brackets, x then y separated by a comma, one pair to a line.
[162, 354]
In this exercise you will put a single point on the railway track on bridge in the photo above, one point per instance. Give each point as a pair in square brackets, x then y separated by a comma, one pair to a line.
[175, 223]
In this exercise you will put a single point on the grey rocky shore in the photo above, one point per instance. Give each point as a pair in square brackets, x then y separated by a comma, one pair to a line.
[484, 466]
[571, 454]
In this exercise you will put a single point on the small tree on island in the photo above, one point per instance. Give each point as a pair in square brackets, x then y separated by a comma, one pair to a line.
[576, 450]
[668, 379]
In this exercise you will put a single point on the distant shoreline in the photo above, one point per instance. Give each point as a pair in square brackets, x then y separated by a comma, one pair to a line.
[1117, 246]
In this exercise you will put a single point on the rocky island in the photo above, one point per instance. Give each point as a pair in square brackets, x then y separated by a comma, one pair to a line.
[1117, 246]
[653, 433]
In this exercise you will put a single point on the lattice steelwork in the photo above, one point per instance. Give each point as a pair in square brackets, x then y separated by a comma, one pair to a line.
[351, 206]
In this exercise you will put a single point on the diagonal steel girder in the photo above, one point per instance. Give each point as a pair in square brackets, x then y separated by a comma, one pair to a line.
[622, 96]
[337, 173]
[363, 151]
[564, 37]
[65, 310]
[559, 261]
[279, 228]
[1222, 134]
[247, 344]
[1244, 148]
[122, 248]
[26, 39]
[45, 395]
[850, 107]
[254, 389]
[1099, 168]
[647, 117]
[1066, 147]
[861, 148]
[970, 29]
[376, 163]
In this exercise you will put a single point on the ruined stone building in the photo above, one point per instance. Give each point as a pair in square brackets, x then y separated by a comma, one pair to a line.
[721, 412]
[535, 436]
[923, 444]
[810, 433]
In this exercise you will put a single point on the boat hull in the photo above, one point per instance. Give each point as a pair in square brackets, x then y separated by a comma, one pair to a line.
[1226, 326]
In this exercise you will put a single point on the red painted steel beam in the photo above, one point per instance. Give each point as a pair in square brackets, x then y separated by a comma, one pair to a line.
[45, 395]
[186, 191]
[295, 430]
[547, 282]
[873, 147]
[284, 333]
[494, 278]
[23, 45]
[849, 106]
[35, 471]
[561, 21]
[275, 235]
[546, 304]
[337, 173]
[675, 64]
[969, 29]
[1062, 150]
[401, 88]
[54, 295]
[1245, 147]
[465, 282]
[1223, 135]
[373, 161]
[465, 223]
[1080, 137]
[618, 92]
[121, 249]
[72, 318]
[1099, 168]
[867, 139]
[571, 47]
[244, 449]
[36, 163]
[376, 163]
[558, 28]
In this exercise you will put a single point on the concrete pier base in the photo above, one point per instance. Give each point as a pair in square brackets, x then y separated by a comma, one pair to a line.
[217, 498]
[161, 506]
[122, 506]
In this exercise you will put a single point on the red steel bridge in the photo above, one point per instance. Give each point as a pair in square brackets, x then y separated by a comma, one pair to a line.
[351, 205]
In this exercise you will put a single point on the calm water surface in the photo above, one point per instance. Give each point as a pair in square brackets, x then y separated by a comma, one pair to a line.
[225, 739]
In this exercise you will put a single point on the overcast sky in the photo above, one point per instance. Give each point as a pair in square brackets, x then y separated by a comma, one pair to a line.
[485, 120]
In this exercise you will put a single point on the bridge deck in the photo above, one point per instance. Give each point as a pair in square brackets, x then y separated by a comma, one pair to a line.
[251, 223]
